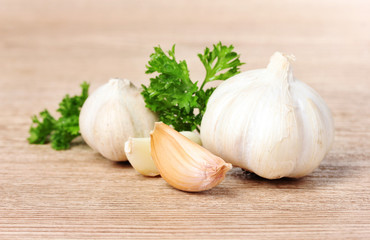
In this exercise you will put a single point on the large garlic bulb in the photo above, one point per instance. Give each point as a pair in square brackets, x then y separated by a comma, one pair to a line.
[268, 122]
[112, 114]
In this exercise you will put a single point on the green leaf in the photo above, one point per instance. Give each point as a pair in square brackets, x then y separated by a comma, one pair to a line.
[171, 93]
[173, 96]
[221, 63]
[62, 131]
[41, 128]
[66, 129]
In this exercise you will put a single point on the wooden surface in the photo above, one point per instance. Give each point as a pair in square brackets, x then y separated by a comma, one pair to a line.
[47, 48]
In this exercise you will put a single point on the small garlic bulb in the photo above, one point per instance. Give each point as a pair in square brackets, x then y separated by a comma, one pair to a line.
[112, 114]
[268, 122]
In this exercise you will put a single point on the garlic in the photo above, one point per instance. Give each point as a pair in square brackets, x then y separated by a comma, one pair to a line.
[194, 137]
[112, 114]
[184, 164]
[268, 122]
[138, 153]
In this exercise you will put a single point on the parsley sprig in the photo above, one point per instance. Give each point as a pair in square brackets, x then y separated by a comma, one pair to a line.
[173, 96]
[60, 132]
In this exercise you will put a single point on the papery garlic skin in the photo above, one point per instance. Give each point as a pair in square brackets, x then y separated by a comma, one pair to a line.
[112, 114]
[268, 122]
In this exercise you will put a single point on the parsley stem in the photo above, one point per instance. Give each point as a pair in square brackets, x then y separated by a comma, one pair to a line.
[198, 130]
[204, 83]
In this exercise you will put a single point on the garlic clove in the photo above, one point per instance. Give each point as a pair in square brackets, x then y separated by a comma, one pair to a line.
[194, 137]
[184, 164]
[138, 153]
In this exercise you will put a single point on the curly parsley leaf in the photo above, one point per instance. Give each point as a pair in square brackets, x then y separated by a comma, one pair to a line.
[221, 63]
[173, 96]
[41, 128]
[62, 131]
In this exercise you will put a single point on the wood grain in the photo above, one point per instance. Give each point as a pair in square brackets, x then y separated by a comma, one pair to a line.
[48, 47]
